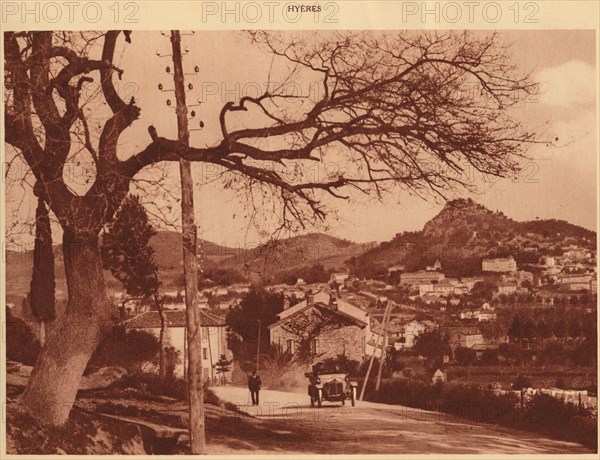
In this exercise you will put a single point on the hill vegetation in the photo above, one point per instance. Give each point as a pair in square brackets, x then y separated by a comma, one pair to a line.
[464, 233]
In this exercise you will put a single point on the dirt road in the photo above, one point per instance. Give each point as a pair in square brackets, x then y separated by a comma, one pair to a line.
[371, 428]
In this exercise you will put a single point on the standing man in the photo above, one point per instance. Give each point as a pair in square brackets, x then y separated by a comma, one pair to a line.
[254, 387]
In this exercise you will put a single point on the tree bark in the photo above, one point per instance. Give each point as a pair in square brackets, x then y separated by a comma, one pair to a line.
[162, 369]
[42, 334]
[56, 376]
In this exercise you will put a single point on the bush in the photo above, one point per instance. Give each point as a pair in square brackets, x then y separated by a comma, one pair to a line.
[541, 413]
[130, 349]
[22, 344]
[521, 382]
[173, 387]
[489, 357]
[465, 356]
[549, 415]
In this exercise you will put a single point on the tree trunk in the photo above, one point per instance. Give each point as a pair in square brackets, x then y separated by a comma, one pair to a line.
[162, 369]
[42, 334]
[56, 376]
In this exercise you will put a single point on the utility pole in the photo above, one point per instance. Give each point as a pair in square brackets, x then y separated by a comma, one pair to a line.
[362, 391]
[190, 264]
[258, 346]
[383, 349]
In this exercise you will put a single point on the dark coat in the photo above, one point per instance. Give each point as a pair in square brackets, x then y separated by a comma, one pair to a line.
[254, 382]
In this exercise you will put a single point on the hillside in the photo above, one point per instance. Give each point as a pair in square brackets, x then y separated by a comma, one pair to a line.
[269, 261]
[463, 233]
[296, 252]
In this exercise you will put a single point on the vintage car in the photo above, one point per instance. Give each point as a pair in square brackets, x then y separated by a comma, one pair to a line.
[330, 382]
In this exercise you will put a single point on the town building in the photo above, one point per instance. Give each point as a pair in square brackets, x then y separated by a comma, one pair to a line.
[436, 267]
[339, 278]
[548, 261]
[394, 269]
[439, 376]
[507, 287]
[420, 277]
[465, 339]
[499, 265]
[339, 327]
[576, 282]
[214, 338]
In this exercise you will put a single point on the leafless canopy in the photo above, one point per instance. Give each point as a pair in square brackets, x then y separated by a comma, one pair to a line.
[407, 109]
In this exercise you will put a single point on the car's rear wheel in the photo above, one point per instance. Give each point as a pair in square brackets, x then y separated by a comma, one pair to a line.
[353, 396]
[320, 397]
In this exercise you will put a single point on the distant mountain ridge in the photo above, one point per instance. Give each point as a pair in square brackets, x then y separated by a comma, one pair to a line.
[463, 233]
[460, 235]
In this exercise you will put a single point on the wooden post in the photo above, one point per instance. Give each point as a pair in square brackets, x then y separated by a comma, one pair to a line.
[190, 268]
[383, 349]
[362, 391]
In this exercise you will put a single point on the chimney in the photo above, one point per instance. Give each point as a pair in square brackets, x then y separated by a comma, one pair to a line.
[310, 299]
[286, 303]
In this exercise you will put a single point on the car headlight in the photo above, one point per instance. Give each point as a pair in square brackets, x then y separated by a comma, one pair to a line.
[318, 380]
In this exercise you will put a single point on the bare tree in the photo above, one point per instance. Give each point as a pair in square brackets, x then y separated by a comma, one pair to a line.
[405, 109]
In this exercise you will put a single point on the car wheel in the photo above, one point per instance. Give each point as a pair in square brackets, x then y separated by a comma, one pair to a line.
[320, 397]
[353, 396]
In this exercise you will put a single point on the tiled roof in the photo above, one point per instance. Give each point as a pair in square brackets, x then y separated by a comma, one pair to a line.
[324, 309]
[174, 318]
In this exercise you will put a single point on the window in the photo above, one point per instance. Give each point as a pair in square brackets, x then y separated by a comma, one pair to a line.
[205, 353]
[314, 346]
[290, 346]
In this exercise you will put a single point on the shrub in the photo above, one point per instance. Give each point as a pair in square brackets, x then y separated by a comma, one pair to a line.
[465, 356]
[541, 413]
[521, 382]
[130, 349]
[173, 387]
[22, 344]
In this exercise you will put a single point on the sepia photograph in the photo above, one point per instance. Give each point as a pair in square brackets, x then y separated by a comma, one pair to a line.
[281, 241]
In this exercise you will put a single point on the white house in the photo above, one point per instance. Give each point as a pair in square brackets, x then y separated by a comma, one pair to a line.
[214, 337]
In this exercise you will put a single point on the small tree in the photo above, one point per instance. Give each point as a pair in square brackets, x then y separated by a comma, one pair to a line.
[126, 252]
[521, 382]
[41, 295]
[275, 363]
[21, 343]
[433, 345]
[243, 322]
[222, 366]
[130, 349]
[465, 356]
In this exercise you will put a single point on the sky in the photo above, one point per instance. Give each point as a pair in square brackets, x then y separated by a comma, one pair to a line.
[559, 182]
